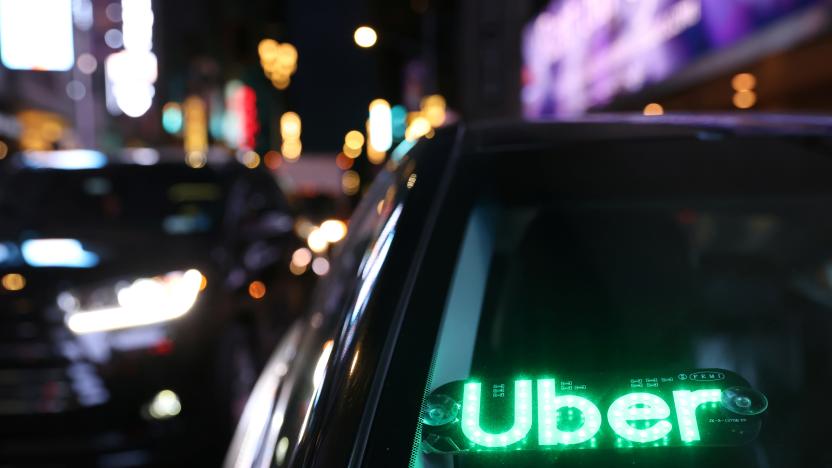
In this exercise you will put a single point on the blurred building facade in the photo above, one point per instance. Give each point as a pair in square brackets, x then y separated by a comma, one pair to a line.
[677, 55]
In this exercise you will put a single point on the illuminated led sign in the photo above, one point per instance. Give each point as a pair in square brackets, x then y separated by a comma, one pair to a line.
[580, 54]
[36, 35]
[708, 407]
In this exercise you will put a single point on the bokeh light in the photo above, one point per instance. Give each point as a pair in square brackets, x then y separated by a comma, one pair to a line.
[365, 37]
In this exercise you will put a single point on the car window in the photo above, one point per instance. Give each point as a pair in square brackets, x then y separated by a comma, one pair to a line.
[284, 400]
[166, 198]
[607, 325]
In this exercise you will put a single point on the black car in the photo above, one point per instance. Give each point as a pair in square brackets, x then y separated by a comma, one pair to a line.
[139, 299]
[609, 292]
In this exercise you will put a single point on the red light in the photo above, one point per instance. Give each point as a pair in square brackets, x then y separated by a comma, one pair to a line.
[163, 347]
[243, 103]
[343, 162]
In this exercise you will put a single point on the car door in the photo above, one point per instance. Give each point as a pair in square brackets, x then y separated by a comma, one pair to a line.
[307, 407]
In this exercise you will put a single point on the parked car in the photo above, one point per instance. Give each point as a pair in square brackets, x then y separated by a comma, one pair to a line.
[610, 292]
[140, 297]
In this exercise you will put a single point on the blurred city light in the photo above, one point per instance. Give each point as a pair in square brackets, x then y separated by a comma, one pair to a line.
[296, 270]
[380, 126]
[290, 131]
[353, 142]
[165, 405]
[290, 126]
[172, 119]
[132, 72]
[36, 34]
[256, 289]
[76, 90]
[350, 182]
[743, 82]
[744, 96]
[653, 109]
[272, 159]
[354, 139]
[291, 150]
[375, 157]
[4, 149]
[434, 109]
[196, 159]
[114, 39]
[130, 76]
[317, 241]
[745, 99]
[87, 63]
[137, 24]
[343, 161]
[41, 130]
[143, 156]
[143, 302]
[399, 121]
[195, 132]
[68, 160]
[419, 127]
[334, 230]
[302, 257]
[250, 159]
[13, 282]
[240, 125]
[82, 14]
[303, 227]
[279, 61]
[365, 37]
[66, 253]
[320, 266]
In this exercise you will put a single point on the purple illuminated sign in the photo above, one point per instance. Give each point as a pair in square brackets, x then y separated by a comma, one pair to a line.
[580, 54]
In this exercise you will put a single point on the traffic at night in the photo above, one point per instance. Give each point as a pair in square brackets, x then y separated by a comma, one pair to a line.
[415, 233]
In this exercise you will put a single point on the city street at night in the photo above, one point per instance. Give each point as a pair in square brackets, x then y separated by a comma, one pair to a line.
[415, 233]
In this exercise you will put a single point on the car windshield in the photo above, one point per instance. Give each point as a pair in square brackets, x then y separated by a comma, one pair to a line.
[166, 198]
[612, 328]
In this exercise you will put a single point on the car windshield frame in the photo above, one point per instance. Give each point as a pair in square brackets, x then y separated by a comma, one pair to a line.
[394, 437]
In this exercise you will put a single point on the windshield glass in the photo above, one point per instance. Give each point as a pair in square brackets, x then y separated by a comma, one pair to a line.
[592, 329]
[173, 199]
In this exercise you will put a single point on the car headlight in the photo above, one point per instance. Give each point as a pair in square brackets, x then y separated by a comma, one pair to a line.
[144, 301]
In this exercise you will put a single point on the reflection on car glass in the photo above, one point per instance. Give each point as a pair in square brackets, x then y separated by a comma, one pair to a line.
[705, 407]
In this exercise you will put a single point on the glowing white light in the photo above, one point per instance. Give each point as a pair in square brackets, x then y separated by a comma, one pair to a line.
[137, 25]
[132, 72]
[365, 37]
[301, 257]
[317, 241]
[334, 230]
[320, 366]
[36, 34]
[68, 253]
[165, 405]
[144, 156]
[132, 75]
[65, 159]
[381, 125]
[145, 301]
[320, 266]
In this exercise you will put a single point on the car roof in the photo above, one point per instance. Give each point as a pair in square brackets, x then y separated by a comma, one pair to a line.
[501, 135]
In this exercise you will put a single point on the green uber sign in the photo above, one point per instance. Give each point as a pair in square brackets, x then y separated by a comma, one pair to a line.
[702, 407]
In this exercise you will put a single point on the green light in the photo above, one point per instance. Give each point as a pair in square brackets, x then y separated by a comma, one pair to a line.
[471, 420]
[548, 405]
[639, 407]
[686, 403]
